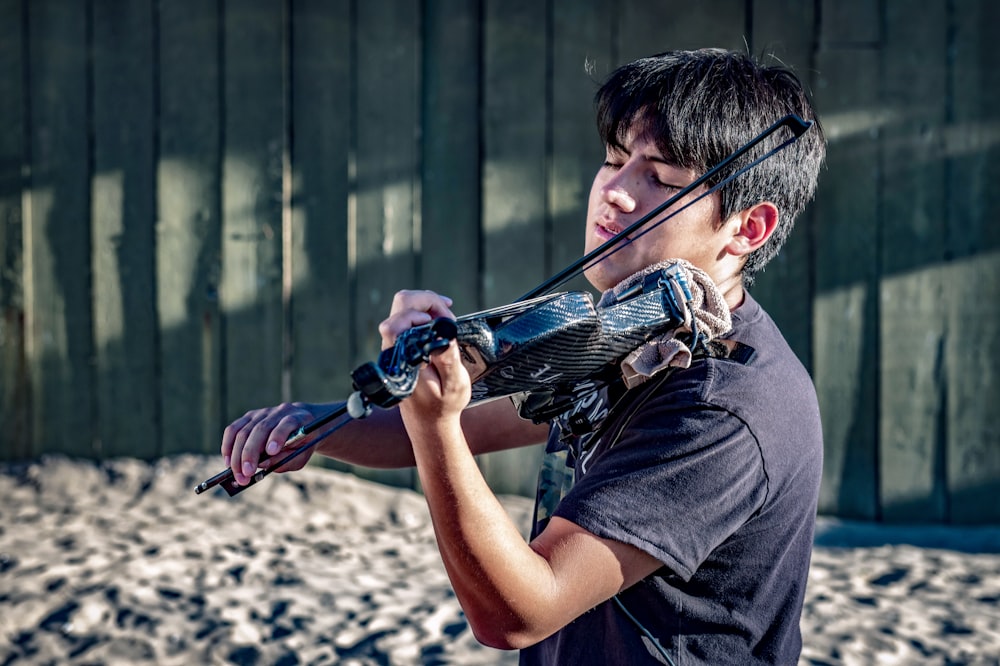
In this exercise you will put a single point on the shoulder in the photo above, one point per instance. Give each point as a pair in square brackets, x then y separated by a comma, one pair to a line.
[750, 364]
[759, 396]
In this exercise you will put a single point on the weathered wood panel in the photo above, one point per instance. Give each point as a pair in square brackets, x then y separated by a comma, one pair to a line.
[318, 270]
[845, 310]
[13, 372]
[515, 136]
[451, 181]
[646, 28]
[514, 140]
[122, 218]
[582, 57]
[188, 239]
[386, 221]
[254, 166]
[312, 158]
[59, 329]
[971, 298]
[581, 45]
[785, 33]
[385, 229]
[913, 223]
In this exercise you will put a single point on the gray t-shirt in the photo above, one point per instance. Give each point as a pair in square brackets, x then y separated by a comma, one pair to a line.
[715, 471]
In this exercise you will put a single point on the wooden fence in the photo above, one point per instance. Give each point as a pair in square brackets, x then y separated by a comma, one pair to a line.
[207, 206]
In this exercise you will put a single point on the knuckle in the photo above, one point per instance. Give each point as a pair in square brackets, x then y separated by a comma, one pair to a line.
[289, 421]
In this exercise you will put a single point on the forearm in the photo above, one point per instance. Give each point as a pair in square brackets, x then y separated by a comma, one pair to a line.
[381, 440]
[378, 441]
[505, 588]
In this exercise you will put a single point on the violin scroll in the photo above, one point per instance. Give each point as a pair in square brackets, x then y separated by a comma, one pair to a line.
[393, 376]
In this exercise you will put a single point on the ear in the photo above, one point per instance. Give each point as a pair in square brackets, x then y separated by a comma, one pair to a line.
[755, 226]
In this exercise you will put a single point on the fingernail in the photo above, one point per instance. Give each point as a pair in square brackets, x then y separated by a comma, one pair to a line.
[272, 447]
[248, 469]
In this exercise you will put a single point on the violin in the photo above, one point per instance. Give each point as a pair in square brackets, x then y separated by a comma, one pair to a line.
[542, 346]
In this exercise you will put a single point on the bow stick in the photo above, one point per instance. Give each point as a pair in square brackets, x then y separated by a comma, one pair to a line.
[391, 379]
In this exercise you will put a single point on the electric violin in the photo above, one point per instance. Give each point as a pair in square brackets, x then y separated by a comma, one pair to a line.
[543, 345]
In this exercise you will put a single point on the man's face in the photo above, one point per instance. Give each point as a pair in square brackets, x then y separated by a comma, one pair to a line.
[634, 179]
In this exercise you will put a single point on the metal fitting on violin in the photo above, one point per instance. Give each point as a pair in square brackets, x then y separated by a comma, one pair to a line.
[393, 376]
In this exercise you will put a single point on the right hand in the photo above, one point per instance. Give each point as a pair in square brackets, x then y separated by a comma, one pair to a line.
[260, 430]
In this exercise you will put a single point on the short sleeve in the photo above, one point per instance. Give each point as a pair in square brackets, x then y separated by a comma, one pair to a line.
[675, 481]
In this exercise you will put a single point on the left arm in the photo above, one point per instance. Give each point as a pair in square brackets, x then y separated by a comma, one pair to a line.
[513, 593]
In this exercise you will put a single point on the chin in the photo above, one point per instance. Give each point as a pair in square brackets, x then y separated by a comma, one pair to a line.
[601, 279]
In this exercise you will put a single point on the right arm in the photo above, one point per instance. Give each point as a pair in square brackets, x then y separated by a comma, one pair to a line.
[380, 440]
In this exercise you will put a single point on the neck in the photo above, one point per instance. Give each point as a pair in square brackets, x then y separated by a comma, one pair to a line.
[732, 290]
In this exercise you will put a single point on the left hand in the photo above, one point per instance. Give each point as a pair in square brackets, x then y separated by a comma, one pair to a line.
[443, 388]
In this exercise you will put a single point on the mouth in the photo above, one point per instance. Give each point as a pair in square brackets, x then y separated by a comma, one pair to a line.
[607, 230]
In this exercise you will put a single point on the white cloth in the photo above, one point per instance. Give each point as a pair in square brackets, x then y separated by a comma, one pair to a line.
[707, 306]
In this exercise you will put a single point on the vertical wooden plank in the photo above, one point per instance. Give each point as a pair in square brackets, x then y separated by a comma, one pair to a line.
[582, 58]
[452, 181]
[122, 213]
[188, 239]
[514, 137]
[972, 282]
[581, 43]
[845, 313]
[58, 331]
[515, 151]
[253, 168]
[648, 28]
[16, 443]
[450, 152]
[911, 442]
[854, 23]
[385, 229]
[320, 275]
[386, 226]
[784, 35]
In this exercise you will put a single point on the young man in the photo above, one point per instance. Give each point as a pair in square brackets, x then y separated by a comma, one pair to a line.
[682, 530]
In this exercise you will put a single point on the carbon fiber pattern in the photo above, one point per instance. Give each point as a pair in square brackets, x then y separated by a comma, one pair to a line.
[557, 341]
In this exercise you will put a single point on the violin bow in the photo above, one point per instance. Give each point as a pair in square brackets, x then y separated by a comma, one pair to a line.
[605, 250]
[357, 408]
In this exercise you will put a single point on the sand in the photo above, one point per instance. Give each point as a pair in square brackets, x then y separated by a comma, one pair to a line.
[121, 563]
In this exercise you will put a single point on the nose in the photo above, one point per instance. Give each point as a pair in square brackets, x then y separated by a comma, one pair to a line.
[615, 193]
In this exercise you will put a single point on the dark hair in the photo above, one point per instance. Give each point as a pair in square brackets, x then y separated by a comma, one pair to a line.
[699, 107]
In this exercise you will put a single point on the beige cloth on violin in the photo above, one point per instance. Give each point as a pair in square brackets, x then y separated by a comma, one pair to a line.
[668, 350]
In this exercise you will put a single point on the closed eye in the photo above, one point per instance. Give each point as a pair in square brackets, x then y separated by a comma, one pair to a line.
[665, 186]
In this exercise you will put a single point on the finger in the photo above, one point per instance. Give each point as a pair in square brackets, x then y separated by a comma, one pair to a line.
[422, 300]
[229, 436]
[239, 454]
[284, 429]
[263, 431]
[411, 308]
[399, 322]
[447, 362]
[235, 461]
